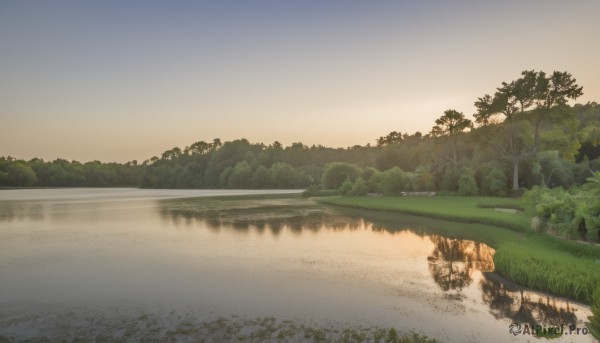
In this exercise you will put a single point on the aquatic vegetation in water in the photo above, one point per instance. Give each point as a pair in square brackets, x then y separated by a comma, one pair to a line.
[80, 324]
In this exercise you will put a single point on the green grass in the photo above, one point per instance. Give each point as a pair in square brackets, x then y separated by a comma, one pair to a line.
[539, 261]
[548, 269]
[456, 209]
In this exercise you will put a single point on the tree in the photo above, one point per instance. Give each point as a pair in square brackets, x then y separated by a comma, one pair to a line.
[495, 183]
[240, 176]
[198, 148]
[391, 138]
[545, 96]
[172, 154]
[394, 181]
[360, 187]
[336, 173]
[451, 124]
[261, 178]
[450, 178]
[466, 182]
[284, 176]
[505, 102]
[551, 93]
[20, 175]
[346, 187]
[552, 169]
[424, 178]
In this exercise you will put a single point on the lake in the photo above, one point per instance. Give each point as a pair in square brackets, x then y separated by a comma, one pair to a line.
[145, 264]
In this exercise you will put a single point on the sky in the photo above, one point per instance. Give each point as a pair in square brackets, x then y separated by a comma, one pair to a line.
[127, 80]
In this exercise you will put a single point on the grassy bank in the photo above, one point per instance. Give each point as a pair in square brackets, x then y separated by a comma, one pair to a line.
[543, 262]
[475, 210]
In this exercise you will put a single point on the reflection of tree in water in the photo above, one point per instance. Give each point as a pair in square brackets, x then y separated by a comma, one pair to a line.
[519, 305]
[452, 261]
[259, 215]
[18, 211]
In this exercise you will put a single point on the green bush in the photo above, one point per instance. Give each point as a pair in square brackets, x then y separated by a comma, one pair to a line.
[495, 183]
[346, 187]
[450, 179]
[466, 183]
[574, 213]
[393, 181]
[360, 187]
[19, 174]
[375, 182]
[337, 173]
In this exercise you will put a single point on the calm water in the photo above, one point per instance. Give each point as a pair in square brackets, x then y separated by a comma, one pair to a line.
[229, 256]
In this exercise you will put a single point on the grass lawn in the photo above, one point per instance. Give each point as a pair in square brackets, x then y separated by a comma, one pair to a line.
[453, 208]
[536, 260]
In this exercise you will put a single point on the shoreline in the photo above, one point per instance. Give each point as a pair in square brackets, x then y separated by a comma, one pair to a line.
[537, 261]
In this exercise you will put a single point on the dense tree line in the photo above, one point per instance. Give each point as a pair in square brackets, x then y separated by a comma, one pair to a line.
[63, 173]
[525, 134]
[233, 164]
[460, 158]
[241, 164]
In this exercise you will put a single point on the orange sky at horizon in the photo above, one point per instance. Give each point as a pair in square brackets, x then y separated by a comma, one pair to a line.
[117, 82]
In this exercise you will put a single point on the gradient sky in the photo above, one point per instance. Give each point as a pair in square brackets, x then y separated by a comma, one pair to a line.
[124, 80]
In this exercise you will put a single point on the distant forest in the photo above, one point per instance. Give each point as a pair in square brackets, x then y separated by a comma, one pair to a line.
[523, 134]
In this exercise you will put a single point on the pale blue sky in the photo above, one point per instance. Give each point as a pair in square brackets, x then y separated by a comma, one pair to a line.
[116, 80]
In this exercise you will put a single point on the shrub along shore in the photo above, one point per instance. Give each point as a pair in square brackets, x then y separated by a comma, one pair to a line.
[536, 260]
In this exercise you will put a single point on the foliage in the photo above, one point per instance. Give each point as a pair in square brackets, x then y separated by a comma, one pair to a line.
[424, 178]
[375, 182]
[337, 173]
[595, 319]
[240, 175]
[573, 214]
[534, 99]
[395, 181]
[526, 125]
[346, 187]
[19, 174]
[451, 124]
[553, 170]
[450, 179]
[285, 176]
[466, 182]
[495, 183]
[62, 173]
[593, 185]
[360, 187]
[392, 138]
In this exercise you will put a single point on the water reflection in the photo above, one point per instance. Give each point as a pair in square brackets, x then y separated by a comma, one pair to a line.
[267, 255]
[522, 306]
[296, 215]
[18, 210]
[454, 264]
[453, 261]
